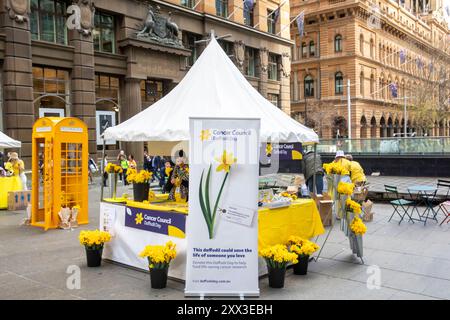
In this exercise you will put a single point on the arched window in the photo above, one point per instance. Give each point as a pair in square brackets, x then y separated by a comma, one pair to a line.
[338, 43]
[361, 44]
[339, 83]
[372, 85]
[304, 52]
[372, 49]
[312, 49]
[361, 83]
[309, 86]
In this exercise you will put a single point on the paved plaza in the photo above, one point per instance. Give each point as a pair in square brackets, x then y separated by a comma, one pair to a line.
[413, 261]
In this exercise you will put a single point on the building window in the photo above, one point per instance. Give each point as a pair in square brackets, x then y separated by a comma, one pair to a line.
[273, 67]
[304, 50]
[271, 22]
[372, 49]
[47, 21]
[52, 87]
[222, 8]
[250, 56]
[274, 99]
[226, 46]
[338, 43]
[189, 43]
[361, 84]
[188, 3]
[312, 49]
[248, 15]
[309, 86]
[107, 92]
[103, 34]
[339, 83]
[361, 44]
[151, 91]
[372, 84]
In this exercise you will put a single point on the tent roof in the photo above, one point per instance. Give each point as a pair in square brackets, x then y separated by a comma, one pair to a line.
[214, 88]
[7, 142]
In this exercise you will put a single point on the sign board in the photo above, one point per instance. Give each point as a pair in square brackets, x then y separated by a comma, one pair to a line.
[222, 228]
[281, 157]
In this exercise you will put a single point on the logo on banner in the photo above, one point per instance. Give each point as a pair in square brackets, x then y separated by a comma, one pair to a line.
[223, 134]
[163, 222]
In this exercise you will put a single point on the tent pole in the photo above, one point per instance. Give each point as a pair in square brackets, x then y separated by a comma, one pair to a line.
[314, 174]
[102, 170]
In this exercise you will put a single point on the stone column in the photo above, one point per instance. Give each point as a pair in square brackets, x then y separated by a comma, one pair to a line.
[131, 105]
[83, 85]
[18, 78]
[263, 76]
[285, 93]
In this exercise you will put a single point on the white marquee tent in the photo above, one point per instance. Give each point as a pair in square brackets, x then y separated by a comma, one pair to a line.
[213, 87]
[7, 142]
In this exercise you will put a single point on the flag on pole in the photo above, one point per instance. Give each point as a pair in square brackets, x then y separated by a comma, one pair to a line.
[402, 55]
[419, 62]
[301, 24]
[276, 14]
[393, 88]
[248, 4]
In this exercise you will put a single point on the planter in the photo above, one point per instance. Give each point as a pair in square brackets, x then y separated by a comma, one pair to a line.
[276, 277]
[158, 277]
[112, 185]
[94, 257]
[301, 268]
[140, 191]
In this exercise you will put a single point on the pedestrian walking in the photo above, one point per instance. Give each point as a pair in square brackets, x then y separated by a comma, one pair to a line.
[313, 167]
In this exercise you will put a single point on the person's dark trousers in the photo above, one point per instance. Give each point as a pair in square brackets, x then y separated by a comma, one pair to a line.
[125, 176]
[319, 183]
[105, 178]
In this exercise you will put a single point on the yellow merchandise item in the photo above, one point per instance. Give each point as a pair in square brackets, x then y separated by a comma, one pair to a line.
[356, 172]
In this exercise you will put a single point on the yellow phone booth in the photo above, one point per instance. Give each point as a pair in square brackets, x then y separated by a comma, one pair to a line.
[59, 170]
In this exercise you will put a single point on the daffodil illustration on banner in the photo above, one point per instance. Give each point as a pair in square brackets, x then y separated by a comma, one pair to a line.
[222, 227]
[226, 160]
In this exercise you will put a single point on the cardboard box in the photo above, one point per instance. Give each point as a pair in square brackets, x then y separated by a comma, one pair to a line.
[360, 193]
[325, 207]
[18, 200]
[299, 180]
[367, 209]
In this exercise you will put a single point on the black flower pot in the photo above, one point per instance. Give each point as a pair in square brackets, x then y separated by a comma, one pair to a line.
[94, 257]
[276, 277]
[140, 191]
[158, 277]
[301, 268]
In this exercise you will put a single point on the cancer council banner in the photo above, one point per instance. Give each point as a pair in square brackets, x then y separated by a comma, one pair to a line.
[222, 226]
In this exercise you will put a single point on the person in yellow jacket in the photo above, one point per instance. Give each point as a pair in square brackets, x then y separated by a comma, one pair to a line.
[341, 159]
[356, 171]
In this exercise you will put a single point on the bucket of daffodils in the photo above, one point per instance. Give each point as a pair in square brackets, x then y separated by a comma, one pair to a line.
[303, 248]
[277, 257]
[159, 258]
[93, 242]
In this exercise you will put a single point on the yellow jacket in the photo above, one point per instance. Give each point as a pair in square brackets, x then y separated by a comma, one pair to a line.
[344, 162]
[356, 172]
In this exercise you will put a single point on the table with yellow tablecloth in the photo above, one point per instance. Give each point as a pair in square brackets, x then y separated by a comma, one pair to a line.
[301, 219]
[8, 184]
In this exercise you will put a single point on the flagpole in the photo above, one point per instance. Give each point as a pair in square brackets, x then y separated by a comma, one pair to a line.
[290, 23]
[193, 8]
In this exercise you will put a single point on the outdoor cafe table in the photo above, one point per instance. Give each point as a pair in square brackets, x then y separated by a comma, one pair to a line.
[420, 195]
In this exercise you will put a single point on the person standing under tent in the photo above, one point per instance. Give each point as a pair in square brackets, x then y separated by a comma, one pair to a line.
[18, 168]
[156, 163]
[340, 158]
[312, 169]
[105, 174]
[180, 179]
[356, 171]
[147, 161]
[92, 168]
[131, 162]
[123, 162]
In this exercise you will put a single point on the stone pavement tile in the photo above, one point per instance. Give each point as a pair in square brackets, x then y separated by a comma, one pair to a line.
[321, 264]
[330, 250]
[12, 285]
[401, 295]
[438, 288]
[343, 270]
[41, 293]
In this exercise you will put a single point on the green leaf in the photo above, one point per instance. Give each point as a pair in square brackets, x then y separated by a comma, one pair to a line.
[202, 203]
[218, 196]
[207, 204]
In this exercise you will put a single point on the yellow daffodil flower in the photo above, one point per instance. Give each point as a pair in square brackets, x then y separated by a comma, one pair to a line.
[205, 135]
[225, 161]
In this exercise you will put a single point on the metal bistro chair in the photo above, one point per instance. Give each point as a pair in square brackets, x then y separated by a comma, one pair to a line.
[398, 203]
[443, 196]
[444, 208]
[429, 198]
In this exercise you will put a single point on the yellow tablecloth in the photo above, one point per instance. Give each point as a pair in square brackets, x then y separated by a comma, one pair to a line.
[8, 184]
[300, 219]
[275, 226]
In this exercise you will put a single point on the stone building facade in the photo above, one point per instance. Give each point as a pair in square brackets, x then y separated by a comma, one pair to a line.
[374, 44]
[101, 71]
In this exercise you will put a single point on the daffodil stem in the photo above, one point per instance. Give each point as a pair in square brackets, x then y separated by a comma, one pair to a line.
[216, 205]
